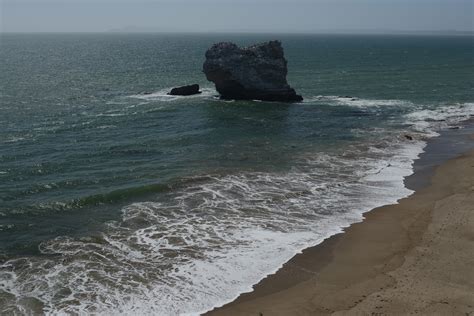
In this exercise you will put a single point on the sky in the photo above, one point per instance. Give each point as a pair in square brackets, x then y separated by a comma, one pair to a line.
[292, 16]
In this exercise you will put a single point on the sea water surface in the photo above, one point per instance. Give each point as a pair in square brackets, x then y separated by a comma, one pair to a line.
[116, 198]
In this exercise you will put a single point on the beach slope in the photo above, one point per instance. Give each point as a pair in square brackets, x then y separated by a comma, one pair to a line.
[415, 257]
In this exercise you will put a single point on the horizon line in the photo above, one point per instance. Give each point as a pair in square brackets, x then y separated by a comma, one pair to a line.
[321, 32]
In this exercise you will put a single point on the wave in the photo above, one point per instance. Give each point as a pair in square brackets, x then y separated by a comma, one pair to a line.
[13, 139]
[430, 121]
[191, 251]
[355, 101]
[116, 196]
[209, 239]
[119, 195]
[162, 95]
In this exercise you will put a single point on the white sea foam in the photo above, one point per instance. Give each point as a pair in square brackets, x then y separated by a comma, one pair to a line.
[13, 139]
[162, 95]
[210, 240]
[355, 101]
[191, 252]
[371, 103]
[111, 114]
[430, 121]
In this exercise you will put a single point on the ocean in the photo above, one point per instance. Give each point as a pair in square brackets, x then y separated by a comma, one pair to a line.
[118, 199]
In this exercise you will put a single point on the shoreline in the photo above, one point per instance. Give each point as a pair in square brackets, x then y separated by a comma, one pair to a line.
[286, 291]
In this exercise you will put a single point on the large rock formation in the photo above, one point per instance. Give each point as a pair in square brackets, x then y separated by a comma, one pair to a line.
[253, 73]
[185, 90]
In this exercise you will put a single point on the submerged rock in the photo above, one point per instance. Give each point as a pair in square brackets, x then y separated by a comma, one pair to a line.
[185, 90]
[257, 72]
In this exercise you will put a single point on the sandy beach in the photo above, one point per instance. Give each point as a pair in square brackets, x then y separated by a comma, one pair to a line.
[415, 257]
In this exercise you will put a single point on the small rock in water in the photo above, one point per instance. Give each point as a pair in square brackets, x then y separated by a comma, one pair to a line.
[185, 90]
[409, 137]
[257, 72]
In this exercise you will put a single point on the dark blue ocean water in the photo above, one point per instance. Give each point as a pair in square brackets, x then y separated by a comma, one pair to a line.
[116, 198]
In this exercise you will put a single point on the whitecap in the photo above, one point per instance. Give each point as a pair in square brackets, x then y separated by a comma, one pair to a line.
[14, 139]
[356, 102]
[162, 95]
[431, 120]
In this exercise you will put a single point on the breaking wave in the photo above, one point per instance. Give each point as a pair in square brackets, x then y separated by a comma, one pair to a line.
[162, 95]
[355, 101]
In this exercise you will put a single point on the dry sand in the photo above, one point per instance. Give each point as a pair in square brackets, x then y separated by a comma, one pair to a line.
[416, 257]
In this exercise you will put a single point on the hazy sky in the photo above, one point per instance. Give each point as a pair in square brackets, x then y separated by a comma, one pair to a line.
[235, 15]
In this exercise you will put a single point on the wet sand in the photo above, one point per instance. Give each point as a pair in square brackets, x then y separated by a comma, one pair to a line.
[415, 257]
